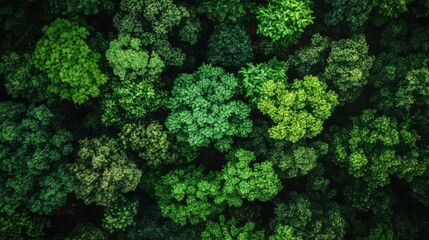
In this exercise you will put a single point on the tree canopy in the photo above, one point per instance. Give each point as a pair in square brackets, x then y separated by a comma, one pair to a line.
[66, 59]
[204, 109]
[214, 119]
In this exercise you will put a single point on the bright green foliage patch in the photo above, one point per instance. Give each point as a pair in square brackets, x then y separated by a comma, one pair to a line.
[299, 110]
[192, 195]
[186, 195]
[254, 76]
[284, 232]
[284, 20]
[130, 62]
[204, 109]
[69, 63]
[241, 179]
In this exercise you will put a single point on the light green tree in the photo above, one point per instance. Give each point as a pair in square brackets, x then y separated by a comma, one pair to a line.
[284, 20]
[64, 56]
[298, 110]
[241, 179]
[103, 171]
[186, 195]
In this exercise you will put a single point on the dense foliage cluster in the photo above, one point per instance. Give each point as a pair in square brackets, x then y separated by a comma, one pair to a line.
[205, 109]
[214, 119]
[64, 56]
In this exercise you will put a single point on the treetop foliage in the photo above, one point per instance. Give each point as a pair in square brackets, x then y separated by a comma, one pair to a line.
[153, 21]
[130, 62]
[229, 46]
[299, 110]
[284, 19]
[31, 144]
[103, 171]
[214, 119]
[64, 56]
[204, 109]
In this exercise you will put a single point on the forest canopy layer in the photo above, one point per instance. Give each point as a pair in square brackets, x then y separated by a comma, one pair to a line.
[214, 119]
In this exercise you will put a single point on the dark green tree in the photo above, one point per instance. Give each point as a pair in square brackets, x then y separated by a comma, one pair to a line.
[120, 214]
[86, 231]
[351, 14]
[375, 147]
[298, 159]
[311, 59]
[229, 46]
[89, 7]
[348, 67]
[419, 189]
[398, 73]
[155, 145]
[22, 225]
[154, 21]
[231, 229]
[226, 11]
[21, 78]
[306, 219]
[33, 164]
[391, 8]
[154, 227]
